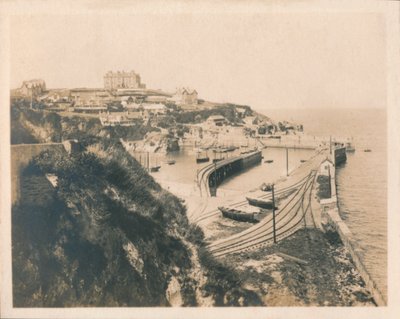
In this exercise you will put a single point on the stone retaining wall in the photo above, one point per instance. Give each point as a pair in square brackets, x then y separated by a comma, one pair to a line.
[330, 215]
[21, 154]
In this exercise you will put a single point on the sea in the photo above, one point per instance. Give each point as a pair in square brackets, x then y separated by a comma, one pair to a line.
[361, 181]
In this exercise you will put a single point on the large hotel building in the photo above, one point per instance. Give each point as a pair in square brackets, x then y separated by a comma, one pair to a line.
[122, 80]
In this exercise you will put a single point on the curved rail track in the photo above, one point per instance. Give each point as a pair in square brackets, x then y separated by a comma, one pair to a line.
[280, 192]
[288, 220]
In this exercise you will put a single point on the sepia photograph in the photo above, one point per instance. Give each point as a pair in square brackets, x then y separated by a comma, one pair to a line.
[200, 156]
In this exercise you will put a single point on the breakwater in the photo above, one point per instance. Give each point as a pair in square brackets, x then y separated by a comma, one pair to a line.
[211, 176]
[330, 216]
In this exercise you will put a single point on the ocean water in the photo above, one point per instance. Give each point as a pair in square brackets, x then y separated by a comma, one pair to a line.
[361, 181]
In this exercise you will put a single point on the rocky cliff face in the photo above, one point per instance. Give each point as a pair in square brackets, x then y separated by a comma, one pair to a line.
[107, 235]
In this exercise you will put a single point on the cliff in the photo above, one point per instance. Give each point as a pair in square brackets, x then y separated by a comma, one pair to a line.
[108, 235]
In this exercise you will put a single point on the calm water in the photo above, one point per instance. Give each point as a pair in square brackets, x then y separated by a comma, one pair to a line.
[185, 169]
[362, 181]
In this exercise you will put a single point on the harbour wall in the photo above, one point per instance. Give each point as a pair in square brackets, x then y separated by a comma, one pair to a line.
[212, 175]
[330, 216]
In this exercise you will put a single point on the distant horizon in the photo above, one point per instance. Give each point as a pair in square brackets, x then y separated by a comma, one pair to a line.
[259, 59]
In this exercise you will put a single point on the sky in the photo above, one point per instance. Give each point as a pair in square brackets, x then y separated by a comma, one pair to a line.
[265, 60]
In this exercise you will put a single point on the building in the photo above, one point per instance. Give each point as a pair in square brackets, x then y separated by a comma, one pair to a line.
[156, 99]
[122, 80]
[33, 88]
[217, 120]
[185, 96]
[90, 97]
[121, 118]
[156, 109]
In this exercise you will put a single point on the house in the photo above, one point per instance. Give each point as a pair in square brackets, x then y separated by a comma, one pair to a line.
[185, 96]
[216, 120]
[33, 88]
[241, 111]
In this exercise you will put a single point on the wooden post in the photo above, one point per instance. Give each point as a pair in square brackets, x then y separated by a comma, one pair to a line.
[273, 212]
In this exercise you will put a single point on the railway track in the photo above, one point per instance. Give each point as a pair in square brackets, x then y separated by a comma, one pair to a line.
[288, 220]
[280, 192]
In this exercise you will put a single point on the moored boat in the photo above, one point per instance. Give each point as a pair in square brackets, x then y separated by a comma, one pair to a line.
[350, 148]
[202, 158]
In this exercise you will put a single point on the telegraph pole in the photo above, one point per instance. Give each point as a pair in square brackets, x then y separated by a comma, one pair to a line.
[215, 178]
[273, 212]
[329, 176]
[287, 161]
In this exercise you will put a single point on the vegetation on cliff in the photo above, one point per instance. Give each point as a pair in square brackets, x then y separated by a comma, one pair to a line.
[108, 235]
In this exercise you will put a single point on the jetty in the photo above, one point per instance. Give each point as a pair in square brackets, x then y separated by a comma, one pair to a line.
[212, 175]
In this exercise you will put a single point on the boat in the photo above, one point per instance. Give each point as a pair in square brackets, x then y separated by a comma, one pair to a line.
[155, 168]
[367, 150]
[231, 148]
[303, 161]
[266, 187]
[267, 204]
[238, 215]
[350, 148]
[171, 162]
[269, 161]
[202, 159]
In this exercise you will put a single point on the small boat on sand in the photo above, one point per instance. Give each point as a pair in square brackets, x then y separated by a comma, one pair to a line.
[238, 215]
[155, 168]
[262, 203]
[303, 161]
[367, 150]
[266, 187]
[269, 161]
